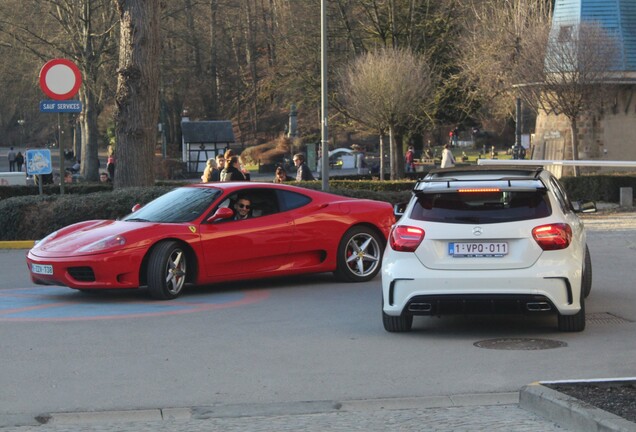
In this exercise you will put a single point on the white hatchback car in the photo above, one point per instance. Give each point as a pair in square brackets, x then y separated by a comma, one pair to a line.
[487, 239]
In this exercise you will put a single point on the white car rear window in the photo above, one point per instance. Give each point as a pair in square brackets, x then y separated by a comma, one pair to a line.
[481, 207]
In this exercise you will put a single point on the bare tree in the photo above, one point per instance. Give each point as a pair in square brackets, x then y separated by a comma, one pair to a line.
[501, 47]
[578, 67]
[137, 95]
[83, 32]
[384, 90]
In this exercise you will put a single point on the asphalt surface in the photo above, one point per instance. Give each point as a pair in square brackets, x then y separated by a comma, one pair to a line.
[534, 408]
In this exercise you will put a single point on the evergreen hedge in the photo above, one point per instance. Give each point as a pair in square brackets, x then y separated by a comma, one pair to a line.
[25, 215]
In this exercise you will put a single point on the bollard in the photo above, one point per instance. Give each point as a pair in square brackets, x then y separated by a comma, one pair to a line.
[626, 197]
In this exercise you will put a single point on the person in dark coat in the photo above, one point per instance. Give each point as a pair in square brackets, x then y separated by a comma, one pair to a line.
[19, 161]
[280, 176]
[303, 173]
[232, 171]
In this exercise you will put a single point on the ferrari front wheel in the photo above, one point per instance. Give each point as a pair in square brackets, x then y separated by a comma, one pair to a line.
[167, 268]
[359, 255]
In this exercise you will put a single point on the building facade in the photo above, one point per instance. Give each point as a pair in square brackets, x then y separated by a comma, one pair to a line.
[609, 132]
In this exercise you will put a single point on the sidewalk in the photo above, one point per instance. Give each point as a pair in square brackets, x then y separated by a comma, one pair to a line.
[477, 412]
[541, 410]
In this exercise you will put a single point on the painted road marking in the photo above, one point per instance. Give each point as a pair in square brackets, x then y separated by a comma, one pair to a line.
[63, 304]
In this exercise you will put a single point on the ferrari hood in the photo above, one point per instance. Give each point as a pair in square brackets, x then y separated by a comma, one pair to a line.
[72, 239]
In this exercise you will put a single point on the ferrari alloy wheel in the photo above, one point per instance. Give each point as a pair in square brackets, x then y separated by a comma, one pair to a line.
[359, 255]
[167, 270]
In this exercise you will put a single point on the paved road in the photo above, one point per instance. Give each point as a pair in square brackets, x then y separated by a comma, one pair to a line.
[307, 354]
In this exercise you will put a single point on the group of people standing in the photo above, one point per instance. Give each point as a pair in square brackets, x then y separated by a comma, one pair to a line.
[16, 160]
[448, 160]
[227, 167]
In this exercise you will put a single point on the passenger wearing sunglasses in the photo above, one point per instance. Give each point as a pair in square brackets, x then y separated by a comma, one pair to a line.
[242, 208]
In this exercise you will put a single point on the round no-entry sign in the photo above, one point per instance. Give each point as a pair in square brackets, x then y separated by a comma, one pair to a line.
[60, 79]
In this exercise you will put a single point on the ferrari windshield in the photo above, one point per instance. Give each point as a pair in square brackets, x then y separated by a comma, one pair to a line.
[180, 205]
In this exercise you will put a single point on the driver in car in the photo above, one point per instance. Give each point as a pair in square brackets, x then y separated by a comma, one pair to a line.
[242, 208]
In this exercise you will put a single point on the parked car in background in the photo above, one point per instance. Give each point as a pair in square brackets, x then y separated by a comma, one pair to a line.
[487, 239]
[343, 158]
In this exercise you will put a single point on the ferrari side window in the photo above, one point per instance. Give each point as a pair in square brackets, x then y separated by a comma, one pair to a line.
[292, 200]
[264, 202]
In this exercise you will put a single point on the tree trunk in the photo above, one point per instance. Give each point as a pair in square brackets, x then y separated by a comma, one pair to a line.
[251, 56]
[137, 97]
[381, 155]
[213, 106]
[90, 137]
[392, 152]
[574, 129]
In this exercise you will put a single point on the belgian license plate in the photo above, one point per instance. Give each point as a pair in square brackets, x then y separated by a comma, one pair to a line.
[478, 249]
[42, 269]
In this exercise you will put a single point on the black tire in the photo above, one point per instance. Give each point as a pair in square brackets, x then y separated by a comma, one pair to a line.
[573, 323]
[359, 255]
[167, 268]
[397, 324]
[586, 284]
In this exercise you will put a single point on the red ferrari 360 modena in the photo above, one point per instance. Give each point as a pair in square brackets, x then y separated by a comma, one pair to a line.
[189, 236]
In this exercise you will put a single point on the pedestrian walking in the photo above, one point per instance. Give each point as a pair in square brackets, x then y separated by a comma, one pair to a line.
[11, 156]
[110, 167]
[19, 161]
[409, 160]
[448, 160]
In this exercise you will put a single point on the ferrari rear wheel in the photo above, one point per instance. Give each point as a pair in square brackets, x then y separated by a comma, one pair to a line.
[167, 270]
[359, 255]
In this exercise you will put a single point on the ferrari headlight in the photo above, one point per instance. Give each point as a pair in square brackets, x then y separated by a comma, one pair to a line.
[39, 243]
[107, 243]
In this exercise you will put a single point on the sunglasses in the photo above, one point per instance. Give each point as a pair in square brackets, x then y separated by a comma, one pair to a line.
[245, 206]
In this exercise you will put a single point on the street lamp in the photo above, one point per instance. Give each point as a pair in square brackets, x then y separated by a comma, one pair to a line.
[324, 144]
[21, 123]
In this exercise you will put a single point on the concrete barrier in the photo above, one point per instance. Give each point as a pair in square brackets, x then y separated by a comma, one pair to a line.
[12, 178]
[626, 197]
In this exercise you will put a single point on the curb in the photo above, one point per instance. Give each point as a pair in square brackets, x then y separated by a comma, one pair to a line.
[20, 244]
[569, 412]
[87, 418]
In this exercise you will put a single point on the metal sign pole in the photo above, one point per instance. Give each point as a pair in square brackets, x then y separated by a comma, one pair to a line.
[59, 143]
[324, 143]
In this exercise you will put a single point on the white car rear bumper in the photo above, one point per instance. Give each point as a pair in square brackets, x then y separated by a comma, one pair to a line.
[404, 279]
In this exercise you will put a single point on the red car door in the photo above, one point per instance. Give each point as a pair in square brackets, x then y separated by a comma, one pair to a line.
[258, 245]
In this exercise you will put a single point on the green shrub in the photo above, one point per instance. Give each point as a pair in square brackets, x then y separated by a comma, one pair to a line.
[25, 215]
[33, 217]
[70, 188]
[605, 187]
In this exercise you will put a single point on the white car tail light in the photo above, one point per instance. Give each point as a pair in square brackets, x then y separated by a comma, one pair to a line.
[553, 236]
[406, 238]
